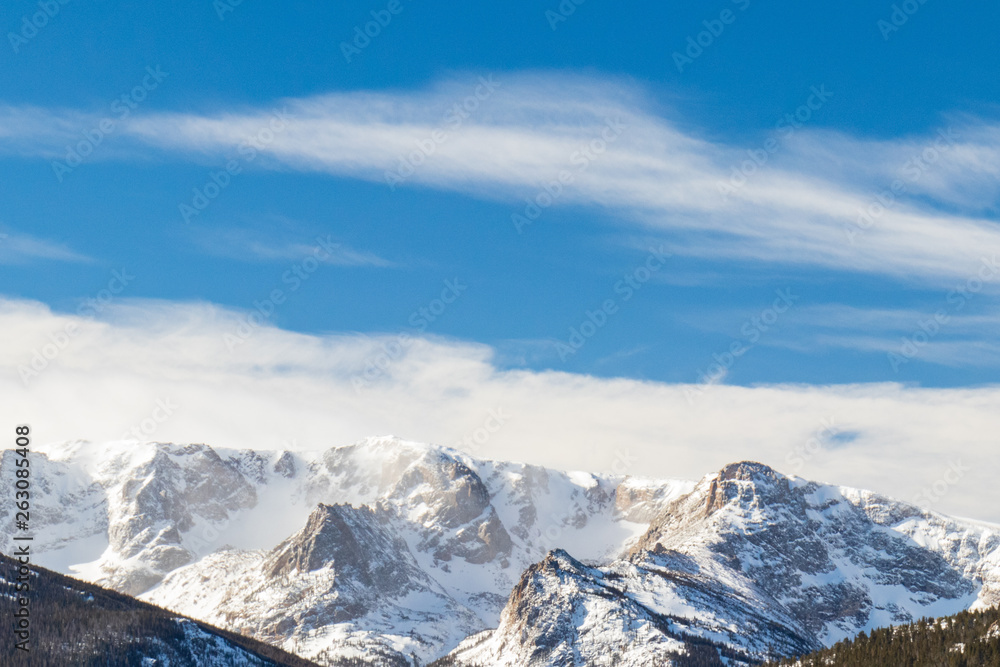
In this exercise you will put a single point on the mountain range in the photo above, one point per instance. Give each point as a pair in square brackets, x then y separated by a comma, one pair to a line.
[389, 552]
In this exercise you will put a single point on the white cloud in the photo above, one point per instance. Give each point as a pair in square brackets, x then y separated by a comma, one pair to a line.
[280, 387]
[800, 208]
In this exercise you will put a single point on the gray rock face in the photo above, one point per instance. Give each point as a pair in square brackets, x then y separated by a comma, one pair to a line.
[354, 541]
[157, 501]
[285, 465]
[449, 499]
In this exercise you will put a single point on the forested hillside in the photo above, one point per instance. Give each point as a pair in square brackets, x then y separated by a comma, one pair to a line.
[76, 623]
[968, 639]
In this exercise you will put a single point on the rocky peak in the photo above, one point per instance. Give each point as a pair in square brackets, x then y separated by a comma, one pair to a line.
[748, 471]
[333, 534]
[354, 541]
[285, 465]
[563, 612]
[747, 483]
[559, 560]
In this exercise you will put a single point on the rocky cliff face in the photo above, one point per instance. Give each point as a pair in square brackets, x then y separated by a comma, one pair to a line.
[153, 503]
[67, 502]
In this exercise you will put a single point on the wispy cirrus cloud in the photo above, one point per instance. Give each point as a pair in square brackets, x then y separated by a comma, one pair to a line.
[820, 201]
[944, 335]
[258, 246]
[39, 131]
[16, 248]
[953, 333]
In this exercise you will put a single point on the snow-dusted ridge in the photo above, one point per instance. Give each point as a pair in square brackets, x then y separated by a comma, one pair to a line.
[393, 551]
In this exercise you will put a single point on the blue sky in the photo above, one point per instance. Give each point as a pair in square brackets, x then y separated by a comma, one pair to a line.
[871, 101]
[667, 235]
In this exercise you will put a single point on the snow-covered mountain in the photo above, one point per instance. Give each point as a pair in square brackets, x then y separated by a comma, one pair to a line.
[382, 547]
[390, 551]
[749, 565]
